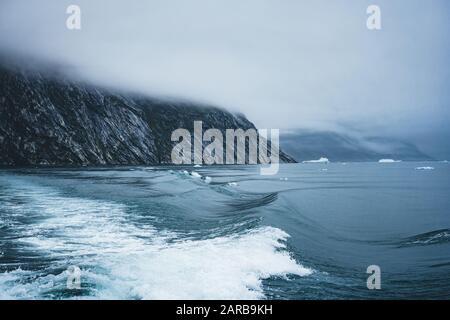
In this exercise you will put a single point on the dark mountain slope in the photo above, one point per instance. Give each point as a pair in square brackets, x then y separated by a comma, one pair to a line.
[53, 121]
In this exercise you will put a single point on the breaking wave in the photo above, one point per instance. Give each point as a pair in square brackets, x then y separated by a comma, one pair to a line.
[122, 259]
[428, 238]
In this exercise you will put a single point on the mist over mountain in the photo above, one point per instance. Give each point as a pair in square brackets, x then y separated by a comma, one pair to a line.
[51, 118]
[306, 145]
[299, 64]
[48, 119]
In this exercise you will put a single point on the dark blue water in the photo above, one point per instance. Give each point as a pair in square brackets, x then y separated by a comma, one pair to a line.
[309, 232]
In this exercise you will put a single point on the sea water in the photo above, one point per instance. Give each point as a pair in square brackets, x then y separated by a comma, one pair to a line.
[226, 232]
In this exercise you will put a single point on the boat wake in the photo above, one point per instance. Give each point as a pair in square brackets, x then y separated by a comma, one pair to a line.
[122, 255]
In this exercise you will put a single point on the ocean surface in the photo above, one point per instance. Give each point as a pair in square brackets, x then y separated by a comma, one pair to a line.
[309, 232]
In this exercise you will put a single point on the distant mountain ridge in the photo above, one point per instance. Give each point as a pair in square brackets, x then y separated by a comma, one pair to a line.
[308, 145]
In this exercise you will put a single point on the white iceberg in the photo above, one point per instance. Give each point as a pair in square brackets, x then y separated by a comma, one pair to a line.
[425, 168]
[232, 184]
[321, 160]
[197, 166]
[388, 161]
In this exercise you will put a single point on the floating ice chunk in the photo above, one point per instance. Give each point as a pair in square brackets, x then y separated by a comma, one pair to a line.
[388, 161]
[185, 172]
[324, 169]
[195, 175]
[232, 184]
[425, 168]
[197, 166]
[284, 179]
[208, 180]
[321, 160]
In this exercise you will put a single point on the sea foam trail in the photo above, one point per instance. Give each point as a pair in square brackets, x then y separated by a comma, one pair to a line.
[220, 268]
[427, 238]
[124, 260]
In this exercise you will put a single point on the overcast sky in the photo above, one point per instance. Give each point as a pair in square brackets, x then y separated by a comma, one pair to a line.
[285, 64]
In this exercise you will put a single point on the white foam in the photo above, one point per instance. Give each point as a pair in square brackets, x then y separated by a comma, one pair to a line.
[218, 268]
[123, 260]
[195, 174]
[208, 180]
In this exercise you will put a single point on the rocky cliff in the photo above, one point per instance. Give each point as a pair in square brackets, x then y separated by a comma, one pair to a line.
[49, 120]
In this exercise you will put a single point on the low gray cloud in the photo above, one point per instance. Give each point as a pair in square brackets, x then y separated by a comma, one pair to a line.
[285, 64]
